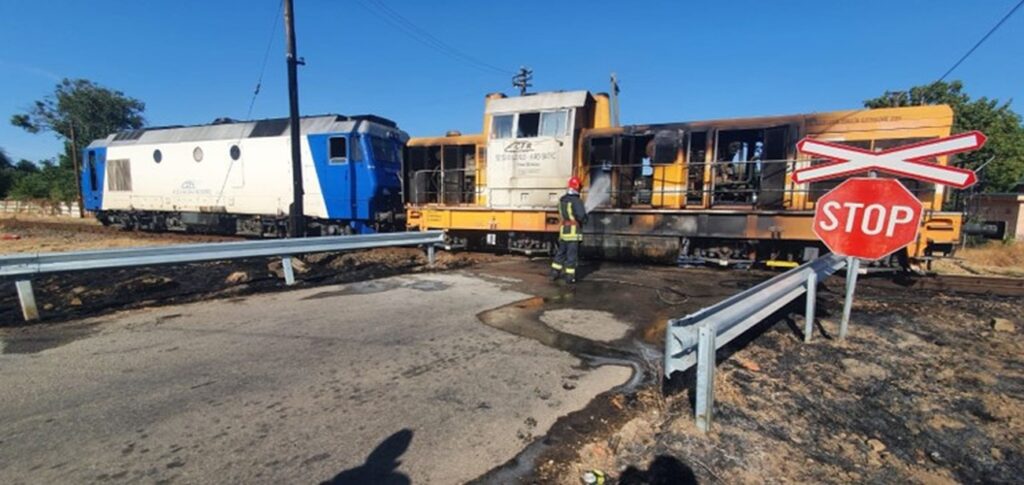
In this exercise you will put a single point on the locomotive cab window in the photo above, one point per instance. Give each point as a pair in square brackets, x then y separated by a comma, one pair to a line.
[92, 170]
[553, 123]
[337, 149]
[501, 126]
[529, 125]
[357, 148]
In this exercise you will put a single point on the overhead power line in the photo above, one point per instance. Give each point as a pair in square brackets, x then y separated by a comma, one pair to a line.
[389, 15]
[983, 39]
[266, 56]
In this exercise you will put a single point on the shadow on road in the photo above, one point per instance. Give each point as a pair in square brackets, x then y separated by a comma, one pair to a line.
[664, 470]
[381, 465]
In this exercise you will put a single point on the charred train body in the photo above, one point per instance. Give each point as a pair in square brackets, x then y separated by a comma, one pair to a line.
[234, 178]
[698, 192]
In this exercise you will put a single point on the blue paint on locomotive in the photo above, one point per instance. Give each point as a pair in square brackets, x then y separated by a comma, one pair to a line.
[356, 188]
[93, 170]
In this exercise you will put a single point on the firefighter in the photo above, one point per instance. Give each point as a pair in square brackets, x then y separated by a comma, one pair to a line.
[573, 215]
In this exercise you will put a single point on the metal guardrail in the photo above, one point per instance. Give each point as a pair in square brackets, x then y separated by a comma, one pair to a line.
[22, 267]
[694, 338]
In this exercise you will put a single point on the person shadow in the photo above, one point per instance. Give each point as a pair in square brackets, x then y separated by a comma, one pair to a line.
[381, 464]
[663, 470]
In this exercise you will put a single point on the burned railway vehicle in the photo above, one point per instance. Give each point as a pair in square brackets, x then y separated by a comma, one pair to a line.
[699, 192]
[235, 177]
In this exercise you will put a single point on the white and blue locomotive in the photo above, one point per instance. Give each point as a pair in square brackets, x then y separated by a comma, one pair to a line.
[236, 177]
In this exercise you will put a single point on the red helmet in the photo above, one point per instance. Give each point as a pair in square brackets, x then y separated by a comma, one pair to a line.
[574, 183]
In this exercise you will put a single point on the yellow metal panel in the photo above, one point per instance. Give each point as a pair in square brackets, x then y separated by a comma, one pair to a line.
[602, 112]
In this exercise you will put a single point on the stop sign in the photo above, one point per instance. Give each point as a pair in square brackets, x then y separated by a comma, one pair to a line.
[867, 218]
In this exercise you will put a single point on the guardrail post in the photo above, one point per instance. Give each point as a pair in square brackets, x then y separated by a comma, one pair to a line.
[852, 267]
[27, 299]
[289, 273]
[430, 254]
[812, 294]
[705, 376]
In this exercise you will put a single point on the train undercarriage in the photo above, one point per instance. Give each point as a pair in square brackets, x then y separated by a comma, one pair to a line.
[258, 226]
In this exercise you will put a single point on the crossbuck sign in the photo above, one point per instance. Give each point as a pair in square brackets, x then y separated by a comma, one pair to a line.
[905, 161]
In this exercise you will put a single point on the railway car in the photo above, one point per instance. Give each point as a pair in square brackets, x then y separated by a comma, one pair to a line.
[699, 192]
[236, 177]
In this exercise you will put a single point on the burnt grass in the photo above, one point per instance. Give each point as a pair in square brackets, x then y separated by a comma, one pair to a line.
[72, 296]
[923, 390]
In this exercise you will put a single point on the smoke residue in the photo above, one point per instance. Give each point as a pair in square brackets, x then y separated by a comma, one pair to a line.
[599, 191]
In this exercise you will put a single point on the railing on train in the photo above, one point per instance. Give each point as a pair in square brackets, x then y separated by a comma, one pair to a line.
[22, 267]
[751, 195]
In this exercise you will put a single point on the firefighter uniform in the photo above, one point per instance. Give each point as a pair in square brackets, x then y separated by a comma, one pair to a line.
[573, 215]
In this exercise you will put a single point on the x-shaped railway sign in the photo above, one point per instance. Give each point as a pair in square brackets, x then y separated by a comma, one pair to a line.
[906, 160]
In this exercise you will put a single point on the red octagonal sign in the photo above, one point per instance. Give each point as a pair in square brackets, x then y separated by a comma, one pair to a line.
[867, 218]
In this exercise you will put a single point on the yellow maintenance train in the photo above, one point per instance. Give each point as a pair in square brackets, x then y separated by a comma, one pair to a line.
[717, 191]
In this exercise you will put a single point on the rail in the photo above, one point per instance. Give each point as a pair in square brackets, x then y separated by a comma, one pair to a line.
[694, 338]
[22, 267]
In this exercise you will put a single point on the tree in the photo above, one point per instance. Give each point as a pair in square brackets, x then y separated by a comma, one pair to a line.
[1005, 146]
[6, 174]
[78, 112]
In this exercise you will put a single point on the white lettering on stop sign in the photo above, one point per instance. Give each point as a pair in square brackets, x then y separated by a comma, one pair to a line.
[873, 219]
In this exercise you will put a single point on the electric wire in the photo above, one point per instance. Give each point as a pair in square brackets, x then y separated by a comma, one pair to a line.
[983, 39]
[390, 16]
[255, 93]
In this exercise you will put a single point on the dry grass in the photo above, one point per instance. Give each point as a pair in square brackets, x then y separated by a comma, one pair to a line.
[991, 258]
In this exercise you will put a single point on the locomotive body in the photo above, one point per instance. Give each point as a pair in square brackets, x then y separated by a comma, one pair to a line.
[236, 178]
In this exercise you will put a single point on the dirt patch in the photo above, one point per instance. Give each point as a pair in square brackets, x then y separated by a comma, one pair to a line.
[45, 235]
[592, 324]
[76, 295]
[914, 395]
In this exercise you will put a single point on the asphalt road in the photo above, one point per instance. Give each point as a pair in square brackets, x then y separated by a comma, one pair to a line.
[382, 382]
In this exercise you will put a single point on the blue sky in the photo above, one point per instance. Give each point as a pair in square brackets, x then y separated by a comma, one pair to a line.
[192, 61]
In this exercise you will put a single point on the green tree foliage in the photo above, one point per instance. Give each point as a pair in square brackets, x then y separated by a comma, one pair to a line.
[48, 181]
[78, 110]
[1005, 146]
[6, 174]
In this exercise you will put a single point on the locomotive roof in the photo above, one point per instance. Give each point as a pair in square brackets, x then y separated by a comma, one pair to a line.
[333, 123]
[538, 101]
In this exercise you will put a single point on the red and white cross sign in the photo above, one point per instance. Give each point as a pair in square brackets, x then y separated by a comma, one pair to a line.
[906, 161]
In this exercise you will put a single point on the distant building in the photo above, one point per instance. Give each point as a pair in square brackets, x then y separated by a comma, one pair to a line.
[1006, 210]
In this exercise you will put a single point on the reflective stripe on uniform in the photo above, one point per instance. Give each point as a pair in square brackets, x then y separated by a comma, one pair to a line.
[570, 270]
[556, 266]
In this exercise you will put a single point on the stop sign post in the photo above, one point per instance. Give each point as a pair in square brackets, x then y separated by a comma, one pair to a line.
[866, 218]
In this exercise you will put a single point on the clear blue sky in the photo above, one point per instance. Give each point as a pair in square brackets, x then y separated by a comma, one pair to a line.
[192, 61]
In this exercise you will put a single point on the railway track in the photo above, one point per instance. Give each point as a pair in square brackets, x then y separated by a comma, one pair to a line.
[971, 284]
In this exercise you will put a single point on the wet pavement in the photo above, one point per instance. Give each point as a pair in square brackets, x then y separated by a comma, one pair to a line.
[441, 377]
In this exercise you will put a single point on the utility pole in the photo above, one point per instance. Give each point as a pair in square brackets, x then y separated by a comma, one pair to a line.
[78, 170]
[522, 80]
[615, 100]
[297, 218]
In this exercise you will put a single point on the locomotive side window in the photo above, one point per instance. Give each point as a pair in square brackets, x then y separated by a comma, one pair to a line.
[529, 125]
[337, 149]
[158, 156]
[501, 127]
[92, 170]
[553, 123]
[235, 152]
